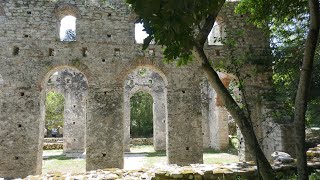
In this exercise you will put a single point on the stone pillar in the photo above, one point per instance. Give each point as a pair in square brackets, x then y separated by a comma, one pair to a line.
[184, 127]
[272, 134]
[74, 123]
[127, 121]
[73, 85]
[104, 137]
[205, 109]
[215, 118]
[219, 129]
[21, 130]
[159, 122]
[276, 136]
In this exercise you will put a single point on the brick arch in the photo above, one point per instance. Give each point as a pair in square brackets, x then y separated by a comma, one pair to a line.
[78, 67]
[64, 9]
[141, 89]
[155, 65]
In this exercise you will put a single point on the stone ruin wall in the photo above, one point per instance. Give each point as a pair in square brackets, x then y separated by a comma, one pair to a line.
[271, 135]
[106, 53]
[73, 86]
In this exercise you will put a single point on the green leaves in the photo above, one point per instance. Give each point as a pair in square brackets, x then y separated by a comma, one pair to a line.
[173, 24]
[141, 115]
[264, 12]
[288, 23]
[54, 110]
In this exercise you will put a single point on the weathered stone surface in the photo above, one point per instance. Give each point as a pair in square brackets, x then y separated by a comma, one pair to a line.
[53, 140]
[52, 146]
[244, 170]
[147, 80]
[73, 85]
[106, 54]
[312, 137]
[141, 141]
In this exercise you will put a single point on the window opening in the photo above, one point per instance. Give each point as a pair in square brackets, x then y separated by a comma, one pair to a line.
[68, 28]
[216, 34]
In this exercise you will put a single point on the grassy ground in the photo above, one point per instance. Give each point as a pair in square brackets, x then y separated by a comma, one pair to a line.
[54, 161]
[139, 157]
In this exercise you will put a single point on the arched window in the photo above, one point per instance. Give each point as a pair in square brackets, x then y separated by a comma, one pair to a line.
[140, 35]
[217, 33]
[68, 28]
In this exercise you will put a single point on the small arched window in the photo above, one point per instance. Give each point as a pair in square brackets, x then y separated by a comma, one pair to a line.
[217, 33]
[68, 28]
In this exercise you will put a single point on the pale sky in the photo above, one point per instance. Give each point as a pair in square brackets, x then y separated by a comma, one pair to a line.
[68, 22]
[140, 35]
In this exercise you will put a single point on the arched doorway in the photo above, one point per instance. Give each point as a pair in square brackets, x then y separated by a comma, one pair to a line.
[73, 86]
[147, 80]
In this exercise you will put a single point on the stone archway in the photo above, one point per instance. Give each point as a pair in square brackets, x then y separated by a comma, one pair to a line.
[153, 83]
[73, 84]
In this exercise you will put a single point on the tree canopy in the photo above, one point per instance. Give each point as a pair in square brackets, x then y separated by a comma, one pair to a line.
[173, 24]
[294, 26]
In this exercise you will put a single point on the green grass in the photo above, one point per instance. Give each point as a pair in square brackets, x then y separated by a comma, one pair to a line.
[54, 161]
[148, 157]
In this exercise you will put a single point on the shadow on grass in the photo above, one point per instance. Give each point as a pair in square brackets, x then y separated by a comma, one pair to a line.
[58, 157]
[156, 154]
[148, 154]
[231, 150]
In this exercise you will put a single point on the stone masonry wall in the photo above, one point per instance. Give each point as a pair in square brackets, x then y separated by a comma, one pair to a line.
[105, 52]
[215, 120]
[253, 45]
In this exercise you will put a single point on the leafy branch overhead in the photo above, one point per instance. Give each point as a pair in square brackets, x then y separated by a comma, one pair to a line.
[182, 27]
[174, 24]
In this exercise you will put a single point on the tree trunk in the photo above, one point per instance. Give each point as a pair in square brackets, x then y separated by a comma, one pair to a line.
[304, 88]
[242, 121]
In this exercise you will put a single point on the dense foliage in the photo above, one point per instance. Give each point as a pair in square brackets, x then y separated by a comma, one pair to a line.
[141, 115]
[54, 110]
[288, 24]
